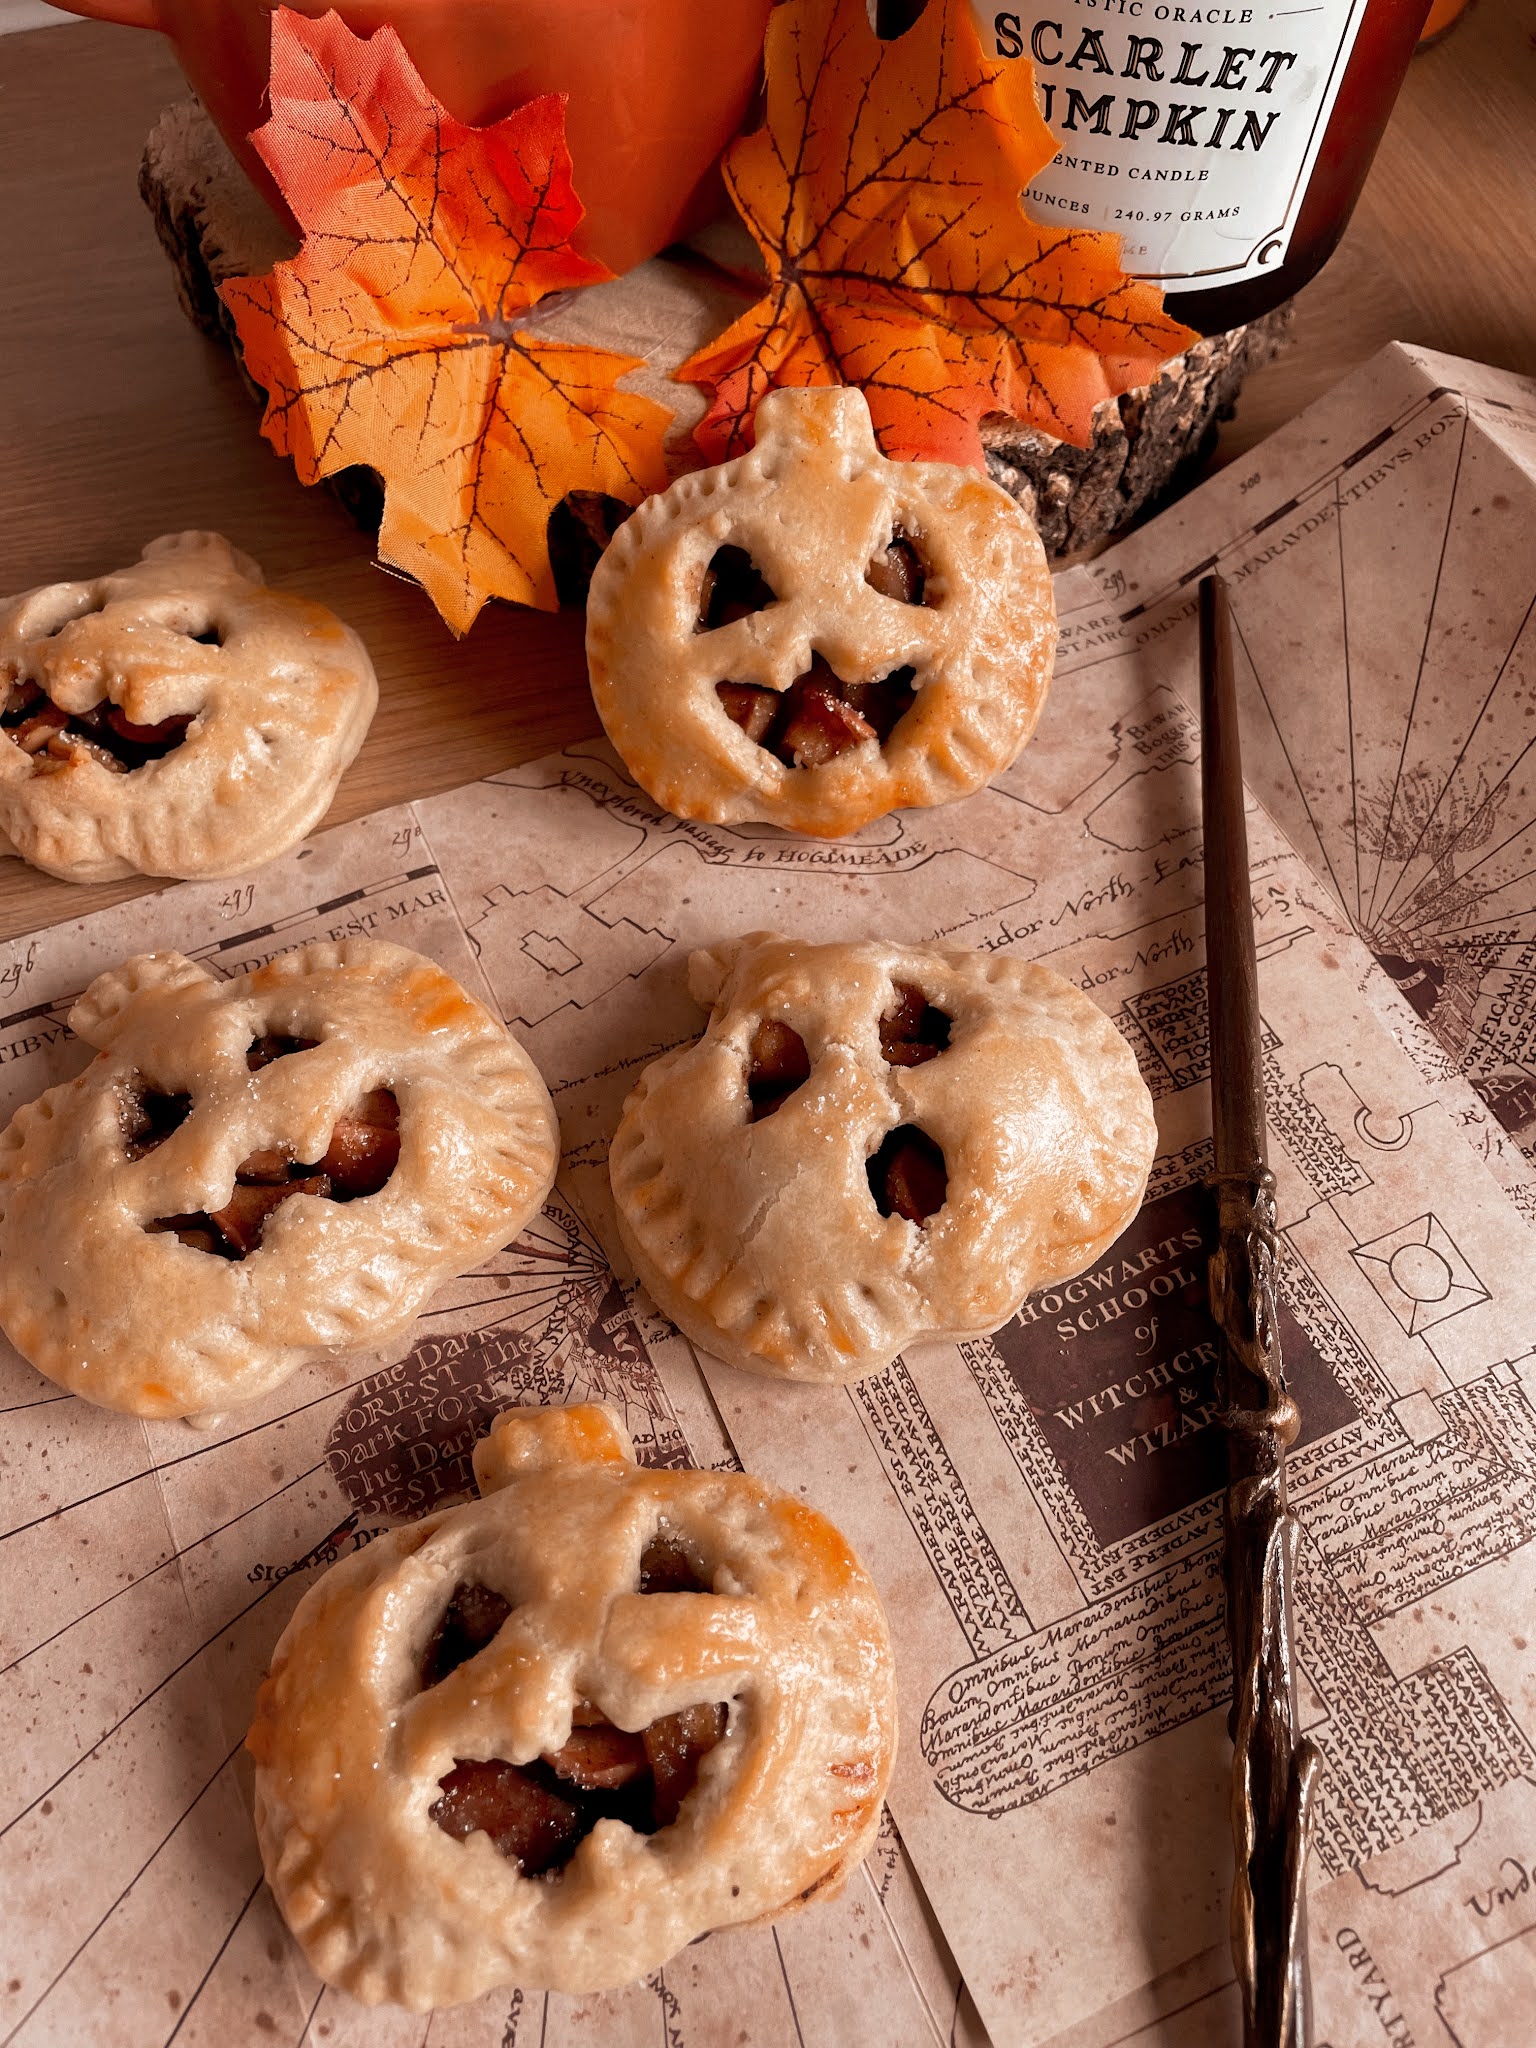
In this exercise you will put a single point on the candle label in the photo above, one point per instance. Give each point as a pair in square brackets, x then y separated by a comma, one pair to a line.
[1190, 131]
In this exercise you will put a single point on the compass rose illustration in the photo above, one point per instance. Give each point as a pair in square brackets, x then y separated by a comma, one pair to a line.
[1393, 716]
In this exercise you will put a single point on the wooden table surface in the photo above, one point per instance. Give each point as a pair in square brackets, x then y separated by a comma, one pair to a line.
[119, 422]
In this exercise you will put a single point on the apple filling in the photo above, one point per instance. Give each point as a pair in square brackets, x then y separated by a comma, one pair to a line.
[536, 1814]
[105, 734]
[899, 571]
[907, 1175]
[777, 1064]
[819, 716]
[362, 1153]
[733, 588]
[913, 1031]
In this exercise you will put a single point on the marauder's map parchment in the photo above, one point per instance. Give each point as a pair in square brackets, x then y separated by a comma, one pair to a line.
[1037, 1507]
[146, 1571]
[1383, 587]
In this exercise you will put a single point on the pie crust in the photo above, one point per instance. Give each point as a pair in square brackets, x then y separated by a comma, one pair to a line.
[280, 694]
[125, 1313]
[351, 1749]
[764, 1241]
[813, 505]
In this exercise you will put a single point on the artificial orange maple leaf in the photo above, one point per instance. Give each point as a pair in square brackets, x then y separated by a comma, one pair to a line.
[883, 190]
[390, 338]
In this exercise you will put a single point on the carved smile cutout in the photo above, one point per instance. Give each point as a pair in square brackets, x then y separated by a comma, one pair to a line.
[363, 1152]
[105, 734]
[536, 1814]
[819, 716]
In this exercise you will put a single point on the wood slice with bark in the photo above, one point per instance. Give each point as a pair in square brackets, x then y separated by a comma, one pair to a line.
[1146, 444]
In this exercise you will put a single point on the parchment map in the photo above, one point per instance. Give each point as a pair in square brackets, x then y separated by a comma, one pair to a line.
[1037, 1507]
[1053, 1631]
[146, 1572]
[1383, 587]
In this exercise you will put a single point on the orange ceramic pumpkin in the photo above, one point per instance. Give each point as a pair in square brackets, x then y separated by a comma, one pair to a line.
[656, 87]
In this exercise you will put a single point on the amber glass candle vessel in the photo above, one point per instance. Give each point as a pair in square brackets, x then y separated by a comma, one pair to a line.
[1373, 72]
[1225, 144]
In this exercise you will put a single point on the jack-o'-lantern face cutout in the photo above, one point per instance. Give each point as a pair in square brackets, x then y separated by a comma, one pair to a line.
[812, 635]
[173, 718]
[872, 1144]
[285, 1164]
[551, 1737]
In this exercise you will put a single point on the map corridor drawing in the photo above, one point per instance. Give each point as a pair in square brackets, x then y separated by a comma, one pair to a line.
[1038, 1506]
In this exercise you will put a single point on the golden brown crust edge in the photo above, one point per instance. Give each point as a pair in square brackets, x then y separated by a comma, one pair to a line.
[762, 1241]
[281, 702]
[479, 1147]
[813, 503]
[349, 1749]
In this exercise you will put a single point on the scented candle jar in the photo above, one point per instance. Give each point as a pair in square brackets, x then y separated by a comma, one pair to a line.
[1225, 144]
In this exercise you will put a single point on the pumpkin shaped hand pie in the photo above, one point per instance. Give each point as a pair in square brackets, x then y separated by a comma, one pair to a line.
[175, 718]
[872, 1144]
[551, 1737]
[257, 1172]
[812, 636]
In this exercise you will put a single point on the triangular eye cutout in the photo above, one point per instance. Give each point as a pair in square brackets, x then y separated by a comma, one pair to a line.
[900, 570]
[148, 1118]
[733, 588]
[472, 1617]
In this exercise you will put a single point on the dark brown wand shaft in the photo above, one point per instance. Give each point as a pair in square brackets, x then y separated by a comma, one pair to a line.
[1272, 1769]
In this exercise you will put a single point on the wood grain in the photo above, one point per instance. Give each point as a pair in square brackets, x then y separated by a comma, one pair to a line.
[118, 422]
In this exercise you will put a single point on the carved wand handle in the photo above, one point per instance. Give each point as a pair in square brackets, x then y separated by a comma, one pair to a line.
[1273, 1770]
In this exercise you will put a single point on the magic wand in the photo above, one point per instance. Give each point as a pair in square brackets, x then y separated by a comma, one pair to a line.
[1273, 1769]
